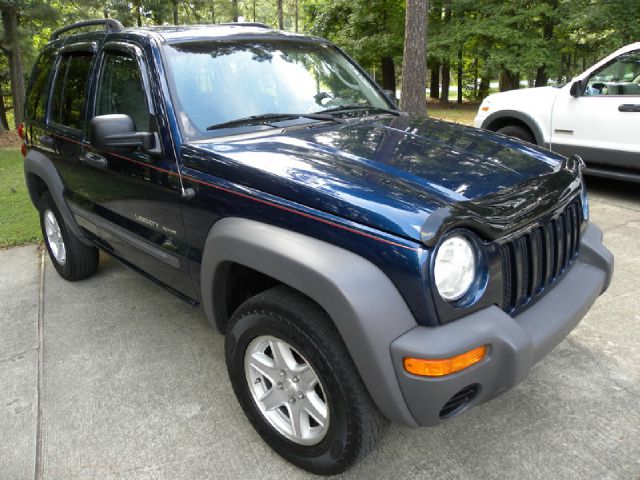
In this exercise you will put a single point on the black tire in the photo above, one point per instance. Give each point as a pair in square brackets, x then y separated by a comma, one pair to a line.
[355, 423]
[518, 132]
[81, 260]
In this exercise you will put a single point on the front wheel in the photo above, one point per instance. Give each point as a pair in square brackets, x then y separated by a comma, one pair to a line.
[518, 132]
[297, 383]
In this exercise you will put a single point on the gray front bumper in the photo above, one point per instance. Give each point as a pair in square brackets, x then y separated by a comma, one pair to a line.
[515, 343]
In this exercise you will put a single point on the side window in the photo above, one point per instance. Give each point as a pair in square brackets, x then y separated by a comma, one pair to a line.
[621, 77]
[69, 90]
[38, 93]
[121, 90]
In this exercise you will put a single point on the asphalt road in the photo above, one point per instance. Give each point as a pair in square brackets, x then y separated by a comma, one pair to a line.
[115, 378]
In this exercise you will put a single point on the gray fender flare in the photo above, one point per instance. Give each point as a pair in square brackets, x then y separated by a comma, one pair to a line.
[39, 165]
[363, 303]
[523, 117]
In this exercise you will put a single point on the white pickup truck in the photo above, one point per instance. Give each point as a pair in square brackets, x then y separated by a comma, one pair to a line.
[596, 115]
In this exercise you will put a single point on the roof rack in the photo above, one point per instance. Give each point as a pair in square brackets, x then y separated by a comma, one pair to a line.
[111, 25]
[246, 24]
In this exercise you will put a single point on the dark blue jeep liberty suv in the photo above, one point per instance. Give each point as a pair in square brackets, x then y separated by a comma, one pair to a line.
[365, 265]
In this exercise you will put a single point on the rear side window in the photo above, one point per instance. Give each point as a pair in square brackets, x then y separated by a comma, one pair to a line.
[69, 90]
[38, 93]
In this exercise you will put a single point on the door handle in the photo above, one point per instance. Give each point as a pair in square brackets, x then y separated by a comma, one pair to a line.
[629, 107]
[95, 160]
[46, 140]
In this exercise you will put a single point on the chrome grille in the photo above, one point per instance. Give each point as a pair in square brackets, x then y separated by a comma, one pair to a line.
[535, 260]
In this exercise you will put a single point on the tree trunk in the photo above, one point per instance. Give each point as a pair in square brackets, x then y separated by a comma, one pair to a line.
[175, 12]
[485, 85]
[503, 81]
[475, 78]
[4, 124]
[541, 76]
[388, 74]
[234, 10]
[508, 81]
[280, 16]
[547, 35]
[414, 59]
[138, 13]
[254, 11]
[460, 76]
[297, 14]
[434, 84]
[446, 82]
[446, 66]
[12, 49]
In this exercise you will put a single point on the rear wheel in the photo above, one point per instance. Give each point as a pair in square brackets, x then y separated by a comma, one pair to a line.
[518, 132]
[297, 383]
[72, 259]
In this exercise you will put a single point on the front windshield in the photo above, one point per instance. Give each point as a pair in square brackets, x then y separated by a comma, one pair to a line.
[216, 82]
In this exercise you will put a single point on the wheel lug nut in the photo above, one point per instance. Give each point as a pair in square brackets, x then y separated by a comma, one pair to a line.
[283, 373]
[292, 399]
[280, 386]
[295, 379]
[300, 395]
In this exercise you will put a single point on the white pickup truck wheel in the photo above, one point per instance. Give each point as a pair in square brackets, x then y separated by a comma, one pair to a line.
[518, 132]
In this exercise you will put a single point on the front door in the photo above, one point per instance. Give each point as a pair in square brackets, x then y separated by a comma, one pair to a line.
[603, 124]
[132, 200]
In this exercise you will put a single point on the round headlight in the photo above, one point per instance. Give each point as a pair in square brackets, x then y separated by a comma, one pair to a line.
[455, 268]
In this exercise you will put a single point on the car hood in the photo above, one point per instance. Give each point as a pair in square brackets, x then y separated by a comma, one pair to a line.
[395, 173]
[530, 99]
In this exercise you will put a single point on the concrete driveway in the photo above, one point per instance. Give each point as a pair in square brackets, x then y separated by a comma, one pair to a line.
[115, 378]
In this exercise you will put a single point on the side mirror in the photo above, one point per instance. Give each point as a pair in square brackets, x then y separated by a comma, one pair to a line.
[391, 96]
[576, 89]
[117, 132]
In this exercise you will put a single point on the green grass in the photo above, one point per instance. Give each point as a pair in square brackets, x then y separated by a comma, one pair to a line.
[19, 223]
[453, 112]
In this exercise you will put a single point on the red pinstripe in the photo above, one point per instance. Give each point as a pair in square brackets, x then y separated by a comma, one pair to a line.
[255, 199]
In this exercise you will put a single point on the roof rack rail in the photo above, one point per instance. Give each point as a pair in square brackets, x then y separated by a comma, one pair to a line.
[111, 24]
[246, 24]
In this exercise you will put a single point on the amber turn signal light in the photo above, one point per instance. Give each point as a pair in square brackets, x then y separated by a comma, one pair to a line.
[437, 367]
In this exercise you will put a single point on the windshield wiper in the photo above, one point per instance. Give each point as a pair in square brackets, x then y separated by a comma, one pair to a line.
[356, 106]
[265, 118]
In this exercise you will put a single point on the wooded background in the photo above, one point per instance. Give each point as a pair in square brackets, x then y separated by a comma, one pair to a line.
[470, 43]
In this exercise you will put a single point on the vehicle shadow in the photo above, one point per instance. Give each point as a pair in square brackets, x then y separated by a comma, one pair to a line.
[613, 189]
[571, 418]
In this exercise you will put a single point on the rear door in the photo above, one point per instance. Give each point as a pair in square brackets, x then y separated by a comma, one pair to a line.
[62, 137]
[602, 124]
[132, 200]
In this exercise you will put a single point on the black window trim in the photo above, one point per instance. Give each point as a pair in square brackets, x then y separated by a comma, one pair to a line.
[83, 47]
[137, 54]
[87, 47]
[53, 53]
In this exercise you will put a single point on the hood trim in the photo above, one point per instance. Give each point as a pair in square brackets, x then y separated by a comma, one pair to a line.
[489, 215]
